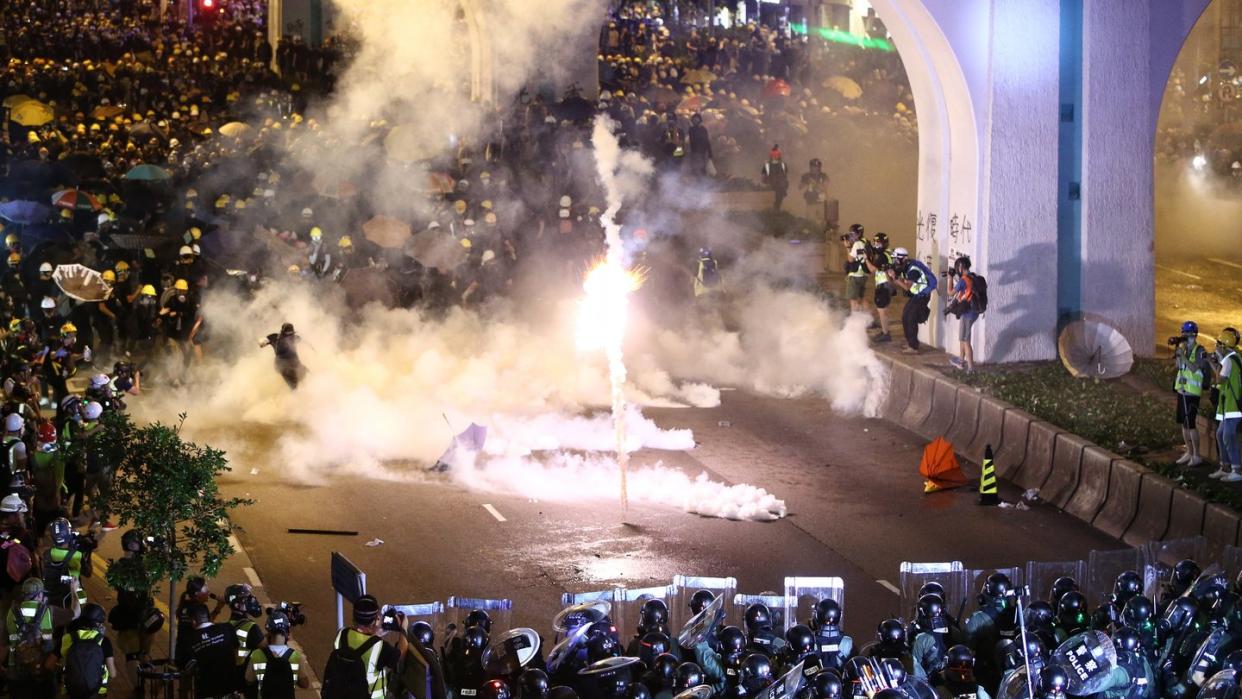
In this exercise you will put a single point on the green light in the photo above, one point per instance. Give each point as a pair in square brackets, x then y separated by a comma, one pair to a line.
[839, 37]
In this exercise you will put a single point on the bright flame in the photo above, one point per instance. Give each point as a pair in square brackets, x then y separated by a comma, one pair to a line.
[1199, 162]
[602, 312]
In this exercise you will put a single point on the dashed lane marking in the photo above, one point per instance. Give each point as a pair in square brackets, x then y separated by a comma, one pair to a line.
[491, 510]
[1227, 263]
[1178, 271]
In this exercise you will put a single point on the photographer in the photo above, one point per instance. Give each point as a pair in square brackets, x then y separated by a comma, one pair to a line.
[1193, 368]
[211, 658]
[364, 661]
[1229, 406]
[965, 306]
[879, 262]
[275, 668]
[244, 608]
[855, 267]
[134, 618]
[64, 562]
[196, 592]
[918, 282]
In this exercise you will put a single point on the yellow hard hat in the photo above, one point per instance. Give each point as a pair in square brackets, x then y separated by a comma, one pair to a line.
[68, 329]
[15, 258]
[15, 325]
[148, 290]
[181, 285]
[465, 243]
[11, 238]
[1229, 338]
[196, 232]
[108, 275]
[294, 269]
[66, 213]
[122, 266]
[316, 233]
[345, 242]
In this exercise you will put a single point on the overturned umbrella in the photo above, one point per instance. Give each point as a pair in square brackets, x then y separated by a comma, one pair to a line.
[466, 445]
[81, 283]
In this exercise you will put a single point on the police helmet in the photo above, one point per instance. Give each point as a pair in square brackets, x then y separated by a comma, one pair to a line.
[960, 662]
[700, 599]
[475, 640]
[755, 673]
[931, 616]
[602, 646]
[423, 633]
[562, 692]
[996, 590]
[1233, 661]
[1138, 612]
[653, 617]
[651, 646]
[1060, 586]
[758, 617]
[891, 632]
[93, 616]
[1072, 610]
[638, 690]
[1039, 614]
[60, 531]
[532, 684]
[1127, 585]
[663, 670]
[1184, 573]
[1034, 652]
[732, 642]
[1053, 681]
[800, 639]
[932, 587]
[827, 613]
[1127, 640]
[687, 675]
[1180, 612]
[478, 617]
[278, 622]
[826, 684]
[494, 689]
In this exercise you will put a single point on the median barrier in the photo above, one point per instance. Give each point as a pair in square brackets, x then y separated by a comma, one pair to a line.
[1066, 471]
[1015, 429]
[965, 420]
[898, 391]
[919, 406]
[1040, 441]
[944, 403]
[1155, 502]
[1186, 515]
[1220, 525]
[1121, 505]
[989, 430]
[1092, 490]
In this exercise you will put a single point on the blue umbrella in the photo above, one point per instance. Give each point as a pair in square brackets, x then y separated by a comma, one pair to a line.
[148, 173]
[24, 212]
[45, 233]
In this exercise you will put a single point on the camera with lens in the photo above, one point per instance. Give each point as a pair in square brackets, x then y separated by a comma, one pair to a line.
[292, 610]
[390, 618]
[1176, 340]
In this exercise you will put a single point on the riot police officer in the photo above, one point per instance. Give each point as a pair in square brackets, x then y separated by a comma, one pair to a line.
[754, 676]
[661, 676]
[1133, 677]
[957, 679]
[720, 668]
[800, 648]
[1184, 573]
[688, 675]
[835, 648]
[1071, 615]
[1128, 584]
[929, 651]
[890, 643]
[760, 638]
[983, 628]
[1060, 586]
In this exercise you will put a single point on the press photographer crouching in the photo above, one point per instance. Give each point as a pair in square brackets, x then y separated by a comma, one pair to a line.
[1193, 369]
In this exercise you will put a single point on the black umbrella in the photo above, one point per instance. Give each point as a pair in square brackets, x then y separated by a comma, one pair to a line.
[84, 165]
[574, 109]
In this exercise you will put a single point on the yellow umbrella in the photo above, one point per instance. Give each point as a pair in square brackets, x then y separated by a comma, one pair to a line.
[698, 76]
[13, 100]
[386, 232]
[32, 113]
[404, 143]
[234, 129]
[107, 111]
[849, 89]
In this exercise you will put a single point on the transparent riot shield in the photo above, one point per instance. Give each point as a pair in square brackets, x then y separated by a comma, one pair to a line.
[569, 599]
[430, 612]
[976, 577]
[1163, 555]
[1088, 658]
[914, 688]
[1041, 574]
[627, 605]
[803, 593]
[510, 652]
[775, 603]
[786, 687]
[1207, 660]
[1231, 561]
[950, 574]
[499, 610]
[581, 614]
[684, 587]
[1016, 686]
[1223, 685]
[1103, 567]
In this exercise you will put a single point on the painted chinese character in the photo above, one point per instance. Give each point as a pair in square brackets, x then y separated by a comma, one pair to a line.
[966, 230]
[954, 227]
[931, 226]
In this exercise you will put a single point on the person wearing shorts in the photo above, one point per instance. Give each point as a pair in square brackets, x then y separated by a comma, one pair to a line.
[1193, 370]
[856, 268]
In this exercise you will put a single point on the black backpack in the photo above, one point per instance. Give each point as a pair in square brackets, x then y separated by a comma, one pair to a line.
[84, 667]
[345, 676]
[979, 292]
[54, 575]
[278, 677]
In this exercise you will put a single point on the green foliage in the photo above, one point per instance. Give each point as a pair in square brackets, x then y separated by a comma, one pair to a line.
[165, 487]
[782, 224]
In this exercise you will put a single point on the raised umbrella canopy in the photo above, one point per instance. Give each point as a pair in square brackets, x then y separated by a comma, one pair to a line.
[81, 282]
[847, 87]
[24, 212]
[1093, 349]
[148, 173]
[32, 113]
[690, 104]
[106, 111]
[434, 248]
[333, 186]
[386, 231]
[233, 129]
[76, 200]
[939, 467]
[777, 88]
[13, 101]
[698, 76]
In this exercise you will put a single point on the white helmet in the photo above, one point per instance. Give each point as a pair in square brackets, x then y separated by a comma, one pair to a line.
[13, 423]
[93, 410]
[47, 303]
[901, 252]
[45, 267]
[185, 250]
[307, 212]
[566, 202]
[197, 250]
[99, 380]
[13, 503]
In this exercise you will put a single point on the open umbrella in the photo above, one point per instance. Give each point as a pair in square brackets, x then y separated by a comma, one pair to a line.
[776, 88]
[24, 212]
[848, 88]
[13, 100]
[435, 248]
[76, 200]
[106, 111]
[573, 109]
[699, 76]
[464, 446]
[1091, 348]
[234, 129]
[386, 231]
[334, 187]
[32, 113]
[405, 144]
[662, 97]
[81, 282]
[693, 103]
[369, 285]
[147, 173]
[440, 183]
[940, 468]
[145, 130]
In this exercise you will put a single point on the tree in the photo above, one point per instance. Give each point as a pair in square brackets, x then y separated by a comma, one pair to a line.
[165, 488]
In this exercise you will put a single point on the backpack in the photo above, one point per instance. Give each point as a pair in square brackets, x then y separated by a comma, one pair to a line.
[928, 277]
[345, 676]
[711, 274]
[17, 561]
[29, 653]
[979, 293]
[84, 667]
[278, 677]
[54, 575]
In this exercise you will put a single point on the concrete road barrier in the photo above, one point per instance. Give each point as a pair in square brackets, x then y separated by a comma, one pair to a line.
[1040, 442]
[1121, 505]
[919, 406]
[989, 430]
[1066, 471]
[1154, 506]
[1097, 465]
[898, 391]
[1220, 525]
[965, 420]
[1015, 429]
[944, 405]
[1186, 515]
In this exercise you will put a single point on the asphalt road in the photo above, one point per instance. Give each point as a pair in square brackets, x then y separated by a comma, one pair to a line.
[1206, 290]
[856, 510]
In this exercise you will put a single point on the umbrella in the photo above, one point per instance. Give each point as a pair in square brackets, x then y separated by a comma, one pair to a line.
[1094, 349]
[106, 111]
[849, 89]
[466, 445]
[234, 129]
[76, 200]
[437, 249]
[940, 468]
[147, 173]
[574, 109]
[693, 103]
[44, 233]
[333, 187]
[32, 113]
[661, 96]
[776, 88]
[33, 171]
[698, 76]
[363, 286]
[81, 282]
[24, 212]
[406, 144]
[441, 183]
[145, 130]
[13, 100]
[386, 232]
[83, 165]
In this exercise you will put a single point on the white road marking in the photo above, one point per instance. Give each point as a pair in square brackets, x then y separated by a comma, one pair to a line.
[890, 587]
[254, 577]
[1227, 263]
[491, 510]
[1178, 271]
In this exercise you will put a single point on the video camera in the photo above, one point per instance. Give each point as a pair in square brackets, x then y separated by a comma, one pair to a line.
[1176, 340]
[292, 610]
[390, 618]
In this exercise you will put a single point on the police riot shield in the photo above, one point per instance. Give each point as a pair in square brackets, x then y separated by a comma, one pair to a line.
[803, 593]
[569, 599]
[1223, 685]
[1089, 659]
[702, 691]
[627, 605]
[1103, 567]
[1140, 678]
[430, 612]
[915, 688]
[577, 615]
[775, 603]
[1016, 686]
[567, 648]
[951, 574]
[500, 611]
[684, 587]
[701, 625]
[510, 652]
[786, 687]
[1231, 561]
[1207, 660]
[1041, 574]
[1163, 555]
[975, 579]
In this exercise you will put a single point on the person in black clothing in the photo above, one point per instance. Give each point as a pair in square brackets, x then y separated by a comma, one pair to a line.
[288, 365]
[700, 145]
[776, 177]
[213, 650]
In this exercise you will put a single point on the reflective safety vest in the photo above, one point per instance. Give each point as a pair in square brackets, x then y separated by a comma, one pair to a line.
[242, 629]
[1230, 403]
[91, 636]
[857, 251]
[259, 658]
[377, 679]
[881, 277]
[1189, 379]
[73, 569]
[28, 610]
[919, 286]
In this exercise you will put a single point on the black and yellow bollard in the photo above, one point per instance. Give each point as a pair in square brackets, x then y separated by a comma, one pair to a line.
[987, 480]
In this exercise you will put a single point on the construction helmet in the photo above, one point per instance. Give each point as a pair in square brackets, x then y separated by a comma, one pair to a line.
[108, 275]
[1228, 338]
[99, 380]
[47, 303]
[122, 266]
[92, 411]
[148, 290]
[13, 504]
[345, 242]
[185, 251]
[13, 423]
[181, 285]
[316, 233]
[294, 269]
[15, 325]
[45, 268]
[68, 329]
[47, 433]
[15, 258]
[11, 239]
